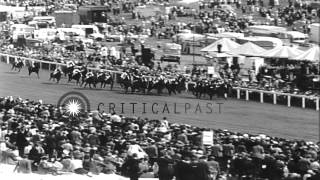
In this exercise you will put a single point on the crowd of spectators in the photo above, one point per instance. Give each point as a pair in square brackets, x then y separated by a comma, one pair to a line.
[43, 138]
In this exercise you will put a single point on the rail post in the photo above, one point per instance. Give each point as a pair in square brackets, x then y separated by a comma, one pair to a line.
[238, 93]
[274, 98]
[303, 102]
[8, 59]
[247, 95]
[261, 97]
[317, 104]
[289, 101]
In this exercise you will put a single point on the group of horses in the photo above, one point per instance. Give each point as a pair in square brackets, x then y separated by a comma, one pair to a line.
[215, 87]
[80, 77]
[132, 82]
[146, 84]
[31, 68]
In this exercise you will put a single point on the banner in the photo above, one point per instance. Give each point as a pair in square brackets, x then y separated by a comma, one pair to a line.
[207, 138]
[210, 70]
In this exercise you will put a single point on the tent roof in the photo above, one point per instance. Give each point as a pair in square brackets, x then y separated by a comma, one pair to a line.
[249, 49]
[227, 46]
[312, 54]
[282, 52]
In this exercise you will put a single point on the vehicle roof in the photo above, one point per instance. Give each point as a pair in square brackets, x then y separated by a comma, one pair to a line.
[296, 33]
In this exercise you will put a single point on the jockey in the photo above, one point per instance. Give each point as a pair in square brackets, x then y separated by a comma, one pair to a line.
[57, 70]
[108, 75]
[89, 74]
[135, 75]
[32, 64]
[70, 64]
[100, 73]
[123, 75]
[75, 71]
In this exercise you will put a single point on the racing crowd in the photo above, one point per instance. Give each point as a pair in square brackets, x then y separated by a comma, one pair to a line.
[46, 139]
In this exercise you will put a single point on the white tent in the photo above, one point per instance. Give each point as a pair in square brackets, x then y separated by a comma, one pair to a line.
[282, 52]
[249, 49]
[312, 54]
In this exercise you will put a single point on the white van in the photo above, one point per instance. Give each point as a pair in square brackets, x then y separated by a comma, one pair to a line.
[294, 37]
[91, 31]
[21, 29]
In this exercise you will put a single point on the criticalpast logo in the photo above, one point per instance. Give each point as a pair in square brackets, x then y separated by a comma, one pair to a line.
[74, 103]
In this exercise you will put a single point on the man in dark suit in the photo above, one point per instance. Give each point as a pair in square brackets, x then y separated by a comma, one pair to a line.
[214, 167]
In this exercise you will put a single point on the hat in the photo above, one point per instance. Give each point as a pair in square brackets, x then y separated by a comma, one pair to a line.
[66, 152]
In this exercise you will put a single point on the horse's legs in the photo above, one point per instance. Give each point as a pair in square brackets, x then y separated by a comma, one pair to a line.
[38, 75]
[111, 86]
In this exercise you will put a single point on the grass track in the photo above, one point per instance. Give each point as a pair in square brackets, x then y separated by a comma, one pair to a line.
[236, 115]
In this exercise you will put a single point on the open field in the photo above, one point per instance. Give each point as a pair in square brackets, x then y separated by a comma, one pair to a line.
[235, 115]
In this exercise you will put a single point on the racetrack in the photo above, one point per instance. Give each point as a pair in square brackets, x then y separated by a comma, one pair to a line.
[235, 115]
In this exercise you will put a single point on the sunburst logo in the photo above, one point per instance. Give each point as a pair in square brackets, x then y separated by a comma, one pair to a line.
[74, 103]
[73, 107]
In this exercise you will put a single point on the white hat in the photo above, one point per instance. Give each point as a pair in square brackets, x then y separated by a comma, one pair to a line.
[66, 152]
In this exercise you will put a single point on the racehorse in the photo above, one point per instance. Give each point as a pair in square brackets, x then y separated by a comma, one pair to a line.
[105, 79]
[76, 77]
[157, 84]
[56, 76]
[171, 85]
[17, 65]
[181, 84]
[140, 84]
[67, 70]
[34, 69]
[92, 80]
[125, 81]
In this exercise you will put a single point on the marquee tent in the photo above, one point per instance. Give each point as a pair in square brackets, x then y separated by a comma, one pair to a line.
[227, 45]
[282, 52]
[249, 49]
[312, 54]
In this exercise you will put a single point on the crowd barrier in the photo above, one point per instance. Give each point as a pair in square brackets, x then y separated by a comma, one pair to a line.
[263, 96]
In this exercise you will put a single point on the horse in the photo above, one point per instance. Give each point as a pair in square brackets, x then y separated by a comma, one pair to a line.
[211, 89]
[140, 84]
[200, 89]
[105, 79]
[125, 81]
[17, 65]
[56, 76]
[67, 70]
[171, 86]
[92, 80]
[76, 77]
[157, 84]
[34, 69]
[181, 84]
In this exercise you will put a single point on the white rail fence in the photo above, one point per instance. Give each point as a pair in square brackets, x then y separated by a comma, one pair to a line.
[240, 93]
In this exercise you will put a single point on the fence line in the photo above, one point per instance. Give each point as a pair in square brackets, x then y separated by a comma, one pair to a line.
[238, 90]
